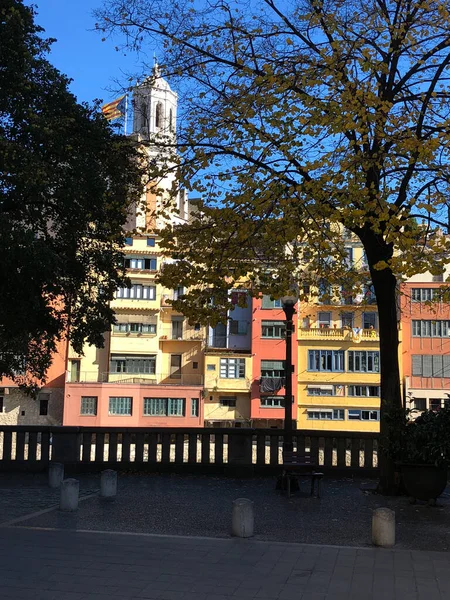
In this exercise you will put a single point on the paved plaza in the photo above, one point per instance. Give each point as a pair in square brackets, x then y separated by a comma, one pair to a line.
[168, 537]
[68, 565]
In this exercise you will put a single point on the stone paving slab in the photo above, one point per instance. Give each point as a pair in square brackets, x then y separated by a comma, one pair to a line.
[68, 565]
[201, 506]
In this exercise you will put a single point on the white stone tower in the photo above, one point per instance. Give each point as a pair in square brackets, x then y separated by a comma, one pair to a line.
[155, 110]
[154, 124]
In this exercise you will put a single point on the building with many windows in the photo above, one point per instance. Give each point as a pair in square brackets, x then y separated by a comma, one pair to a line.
[150, 371]
[228, 367]
[425, 350]
[338, 359]
[269, 357]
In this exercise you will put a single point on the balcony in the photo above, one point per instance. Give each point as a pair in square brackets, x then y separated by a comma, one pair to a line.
[139, 378]
[184, 336]
[339, 334]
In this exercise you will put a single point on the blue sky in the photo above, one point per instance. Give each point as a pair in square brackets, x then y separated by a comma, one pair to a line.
[79, 53]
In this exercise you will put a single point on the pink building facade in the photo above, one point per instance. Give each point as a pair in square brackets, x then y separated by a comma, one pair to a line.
[133, 405]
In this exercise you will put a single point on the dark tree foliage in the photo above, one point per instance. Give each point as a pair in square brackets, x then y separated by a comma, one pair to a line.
[66, 182]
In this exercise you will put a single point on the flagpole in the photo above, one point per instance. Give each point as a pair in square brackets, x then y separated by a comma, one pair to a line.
[126, 115]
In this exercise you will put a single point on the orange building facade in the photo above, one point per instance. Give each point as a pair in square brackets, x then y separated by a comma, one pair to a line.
[269, 355]
[425, 349]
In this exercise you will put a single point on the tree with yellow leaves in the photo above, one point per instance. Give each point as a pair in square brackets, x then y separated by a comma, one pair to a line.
[304, 118]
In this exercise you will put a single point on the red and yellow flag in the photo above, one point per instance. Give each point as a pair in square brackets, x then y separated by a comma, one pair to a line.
[115, 109]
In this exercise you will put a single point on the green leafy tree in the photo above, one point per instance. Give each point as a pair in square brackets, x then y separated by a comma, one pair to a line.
[66, 183]
[300, 115]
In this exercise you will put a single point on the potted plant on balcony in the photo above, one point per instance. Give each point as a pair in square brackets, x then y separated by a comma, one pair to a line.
[421, 449]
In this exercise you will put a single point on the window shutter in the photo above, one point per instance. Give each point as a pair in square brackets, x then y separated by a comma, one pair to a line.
[267, 302]
[417, 364]
[427, 368]
[437, 366]
[446, 365]
[272, 364]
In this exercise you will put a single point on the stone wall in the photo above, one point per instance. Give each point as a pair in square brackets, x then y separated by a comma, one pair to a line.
[20, 409]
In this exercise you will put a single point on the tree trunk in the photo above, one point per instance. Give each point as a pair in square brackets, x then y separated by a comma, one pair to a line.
[385, 286]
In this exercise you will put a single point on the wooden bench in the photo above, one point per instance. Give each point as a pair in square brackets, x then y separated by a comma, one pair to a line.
[300, 465]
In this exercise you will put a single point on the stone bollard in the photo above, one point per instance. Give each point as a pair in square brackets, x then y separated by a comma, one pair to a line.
[70, 489]
[55, 474]
[383, 527]
[242, 520]
[108, 484]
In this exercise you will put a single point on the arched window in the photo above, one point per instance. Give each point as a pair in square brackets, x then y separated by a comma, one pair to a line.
[158, 115]
[170, 120]
[143, 114]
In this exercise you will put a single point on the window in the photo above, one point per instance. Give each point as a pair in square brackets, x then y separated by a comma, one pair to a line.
[363, 415]
[431, 365]
[194, 407]
[325, 320]
[369, 391]
[133, 364]
[319, 415]
[175, 366]
[431, 328]
[151, 242]
[320, 390]
[337, 414]
[272, 401]
[195, 365]
[175, 407]
[2, 404]
[369, 294]
[75, 366]
[438, 278]
[232, 368]
[178, 292]
[435, 403]
[324, 289]
[137, 292]
[363, 361]
[155, 407]
[347, 319]
[420, 403]
[423, 294]
[44, 399]
[229, 401]
[273, 329]
[128, 241]
[88, 405]
[149, 328]
[272, 368]
[369, 320]
[170, 120]
[148, 264]
[177, 328]
[119, 405]
[158, 115]
[268, 302]
[347, 295]
[210, 367]
[325, 360]
[349, 257]
[238, 327]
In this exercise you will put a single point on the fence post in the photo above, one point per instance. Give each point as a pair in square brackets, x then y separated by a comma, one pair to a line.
[66, 444]
[240, 453]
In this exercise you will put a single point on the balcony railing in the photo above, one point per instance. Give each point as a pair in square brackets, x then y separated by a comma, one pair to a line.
[213, 451]
[187, 336]
[142, 378]
[342, 333]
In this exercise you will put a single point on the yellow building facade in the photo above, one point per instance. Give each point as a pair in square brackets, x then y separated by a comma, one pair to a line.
[339, 359]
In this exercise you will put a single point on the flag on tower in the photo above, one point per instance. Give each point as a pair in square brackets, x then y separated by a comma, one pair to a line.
[115, 109]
